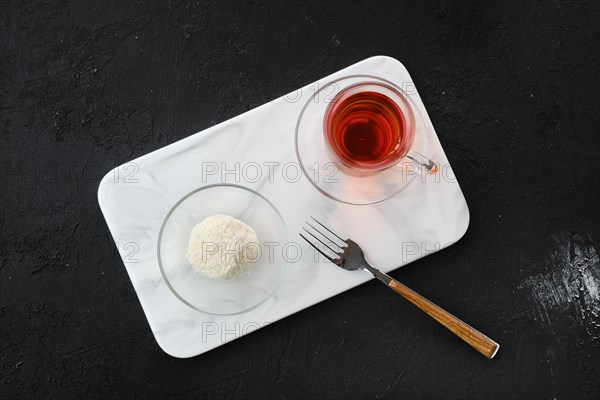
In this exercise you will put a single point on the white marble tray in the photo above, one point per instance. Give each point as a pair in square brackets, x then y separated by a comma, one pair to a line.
[135, 197]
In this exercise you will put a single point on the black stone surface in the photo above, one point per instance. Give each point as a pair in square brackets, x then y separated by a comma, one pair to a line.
[512, 88]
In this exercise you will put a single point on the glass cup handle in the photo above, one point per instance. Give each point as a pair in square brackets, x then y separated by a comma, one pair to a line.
[426, 166]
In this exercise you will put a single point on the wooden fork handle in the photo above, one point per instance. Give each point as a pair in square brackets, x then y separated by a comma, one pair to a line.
[473, 337]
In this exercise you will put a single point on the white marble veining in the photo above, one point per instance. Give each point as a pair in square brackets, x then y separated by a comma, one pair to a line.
[135, 197]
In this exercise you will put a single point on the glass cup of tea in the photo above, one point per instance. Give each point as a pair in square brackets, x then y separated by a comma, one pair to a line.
[361, 139]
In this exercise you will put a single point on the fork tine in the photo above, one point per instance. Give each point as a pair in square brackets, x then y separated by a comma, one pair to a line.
[332, 232]
[320, 251]
[326, 237]
[322, 242]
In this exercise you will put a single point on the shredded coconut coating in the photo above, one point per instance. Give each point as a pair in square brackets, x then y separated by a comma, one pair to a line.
[222, 248]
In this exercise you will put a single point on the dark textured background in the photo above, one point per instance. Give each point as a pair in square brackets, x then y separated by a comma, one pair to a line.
[513, 91]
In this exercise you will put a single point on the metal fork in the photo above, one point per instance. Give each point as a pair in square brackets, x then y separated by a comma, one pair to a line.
[349, 256]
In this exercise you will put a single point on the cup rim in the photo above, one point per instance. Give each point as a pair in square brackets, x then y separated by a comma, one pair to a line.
[177, 204]
[391, 160]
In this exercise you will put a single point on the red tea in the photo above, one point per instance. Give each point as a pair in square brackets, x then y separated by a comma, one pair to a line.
[367, 130]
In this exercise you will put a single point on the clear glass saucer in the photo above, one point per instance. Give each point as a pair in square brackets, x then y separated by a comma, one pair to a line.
[334, 179]
[223, 297]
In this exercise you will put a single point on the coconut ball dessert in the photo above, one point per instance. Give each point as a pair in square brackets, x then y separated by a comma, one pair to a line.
[222, 248]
